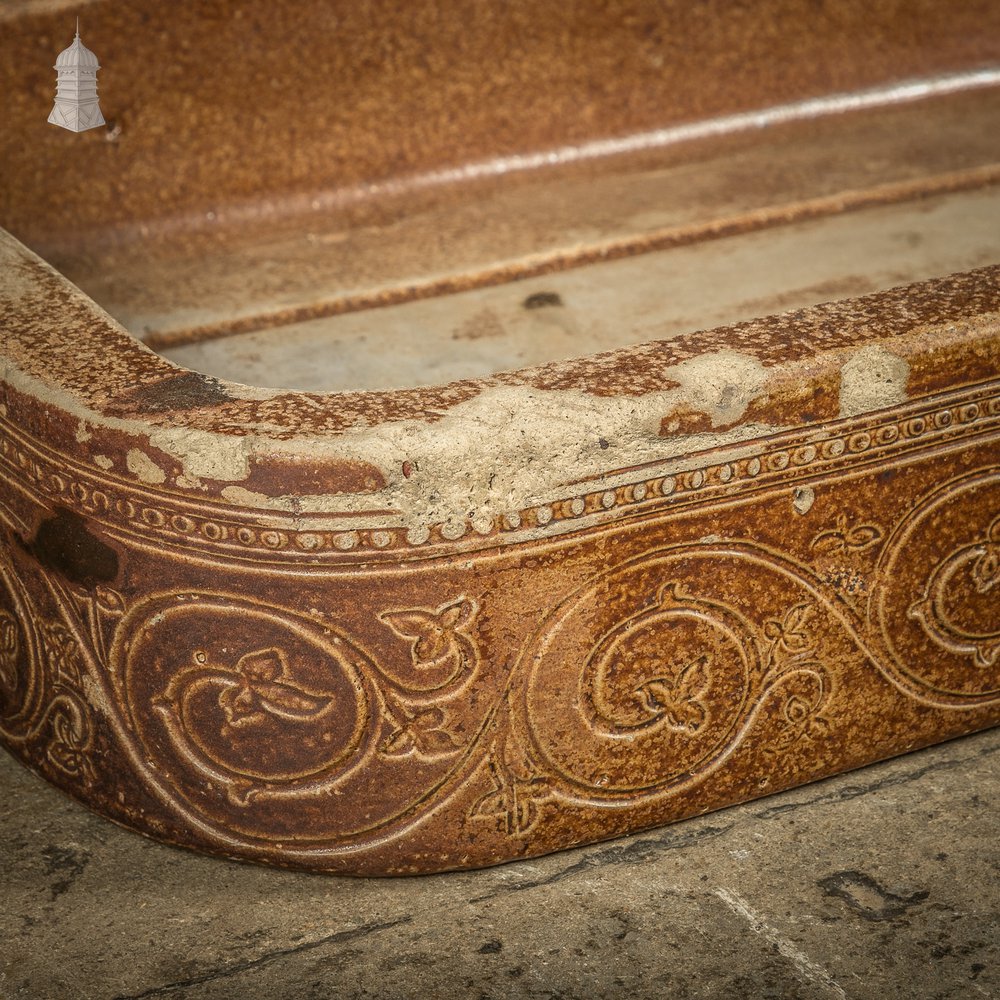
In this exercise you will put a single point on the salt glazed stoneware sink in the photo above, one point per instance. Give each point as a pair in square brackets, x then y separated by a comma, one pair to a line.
[430, 536]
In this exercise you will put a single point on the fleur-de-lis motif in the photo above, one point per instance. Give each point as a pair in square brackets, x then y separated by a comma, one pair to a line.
[847, 537]
[802, 721]
[789, 634]
[433, 634]
[63, 652]
[264, 688]
[422, 732]
[443, 655]
[70, 741]
[10, 647]
[677, 700]
[513, 803]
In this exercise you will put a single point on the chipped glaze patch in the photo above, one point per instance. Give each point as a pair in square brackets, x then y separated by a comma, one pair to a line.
[871, 379]
[139, 463]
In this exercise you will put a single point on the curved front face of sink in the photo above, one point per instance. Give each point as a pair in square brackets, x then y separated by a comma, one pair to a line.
[261, 597]
[254, 639]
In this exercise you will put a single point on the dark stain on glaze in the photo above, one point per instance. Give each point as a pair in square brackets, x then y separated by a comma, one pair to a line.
[64, 543]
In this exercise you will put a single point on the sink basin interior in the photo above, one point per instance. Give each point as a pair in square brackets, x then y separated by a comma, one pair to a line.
[596, 307]
[412, 257]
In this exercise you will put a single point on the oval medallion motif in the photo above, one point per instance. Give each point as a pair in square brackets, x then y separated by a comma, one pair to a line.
[939, 610]
[258, 702]
[664, 681]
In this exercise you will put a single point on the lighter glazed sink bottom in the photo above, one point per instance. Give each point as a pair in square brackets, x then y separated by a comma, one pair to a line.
[262, 597]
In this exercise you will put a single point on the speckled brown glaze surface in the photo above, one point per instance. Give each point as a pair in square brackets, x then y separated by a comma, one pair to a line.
[351, 691]
[403, 631]
[382, 93]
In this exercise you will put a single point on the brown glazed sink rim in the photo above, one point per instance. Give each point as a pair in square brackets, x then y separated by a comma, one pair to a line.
[105, 376]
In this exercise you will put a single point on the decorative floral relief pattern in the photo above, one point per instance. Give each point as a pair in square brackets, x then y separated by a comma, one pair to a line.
[263, 687]
[63, 652]
[442, 653]
[42, 670]
[514, 802]
[684, 655]
[443, 657]
[783, 660]
[980, 560]
[678, 698]
[937, 609]
[847, 537]
[260, 702]
[652, 670]
[421, 731]
[792, 648]
[69, 747]
[264, 703]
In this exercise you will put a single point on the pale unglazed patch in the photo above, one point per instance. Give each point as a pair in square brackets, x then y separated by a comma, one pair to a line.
[141, 465]
[206, 454]
[512, 447]
[871, 379]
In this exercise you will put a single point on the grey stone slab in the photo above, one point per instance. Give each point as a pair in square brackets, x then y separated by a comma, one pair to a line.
[880, 883]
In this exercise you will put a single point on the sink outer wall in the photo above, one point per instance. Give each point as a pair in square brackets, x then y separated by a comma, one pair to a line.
[652, 645]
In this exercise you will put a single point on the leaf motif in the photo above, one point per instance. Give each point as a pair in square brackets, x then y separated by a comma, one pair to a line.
[431, 642]
[288, 701]
[264, 688]
[262, 665]
[693, 680]
[67, 759]
[429, 718]
[678, 701]
[458, 614]
[421, 733]
[432, 633]
[411, 624]
[63, 652]
[862, 535]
